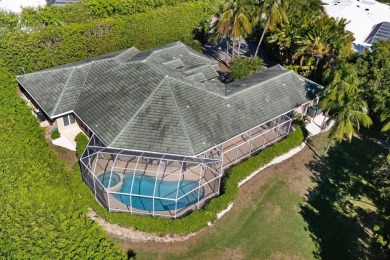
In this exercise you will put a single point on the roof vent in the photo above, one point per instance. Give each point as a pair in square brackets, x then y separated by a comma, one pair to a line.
[228, 105]
[284, 85]
[187, 106]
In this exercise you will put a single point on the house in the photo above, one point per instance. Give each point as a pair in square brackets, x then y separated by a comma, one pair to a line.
[363, 16]
[162, 126]
[60, 2]
[380, 31]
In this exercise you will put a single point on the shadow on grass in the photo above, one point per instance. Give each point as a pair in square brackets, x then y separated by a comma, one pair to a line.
[339, 222]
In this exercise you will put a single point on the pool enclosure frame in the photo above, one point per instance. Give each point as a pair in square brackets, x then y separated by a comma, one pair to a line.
[205, 170]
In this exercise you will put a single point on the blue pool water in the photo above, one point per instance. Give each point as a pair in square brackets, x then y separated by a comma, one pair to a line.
[105, 179]
[144, 185]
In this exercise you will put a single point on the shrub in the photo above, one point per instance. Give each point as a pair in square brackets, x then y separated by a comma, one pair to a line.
[55, 133]
[81, 142]
[199, 219]
[243, 67]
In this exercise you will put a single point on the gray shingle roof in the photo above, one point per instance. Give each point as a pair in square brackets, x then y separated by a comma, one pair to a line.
[163, 100]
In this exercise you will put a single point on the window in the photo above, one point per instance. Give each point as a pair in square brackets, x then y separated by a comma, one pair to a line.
[68, 120]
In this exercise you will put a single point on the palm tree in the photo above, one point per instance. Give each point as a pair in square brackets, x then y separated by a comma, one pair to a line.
[233, 21]
[385, 117]
[275, 13]
[325, 39]
[343, 99]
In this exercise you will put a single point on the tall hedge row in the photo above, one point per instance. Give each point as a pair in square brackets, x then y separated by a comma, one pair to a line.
[199, 219]
[24, 51]
[43, 205]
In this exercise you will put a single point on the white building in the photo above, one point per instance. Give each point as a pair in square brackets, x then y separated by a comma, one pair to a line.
[362, 16]
[15, 6]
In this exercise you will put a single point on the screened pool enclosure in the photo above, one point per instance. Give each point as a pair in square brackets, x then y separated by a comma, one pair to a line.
[149, 183]
[169, 185]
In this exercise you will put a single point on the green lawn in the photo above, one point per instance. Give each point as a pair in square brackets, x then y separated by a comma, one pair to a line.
[265, 222]
[269, 226]
[273, 218]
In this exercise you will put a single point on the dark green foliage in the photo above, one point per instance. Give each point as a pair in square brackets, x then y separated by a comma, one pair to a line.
[243, 67]
[55, 134]
[84, 11]
[53, 45]
[381, 180]
[43, 205]
[312, 41]
[348, 201]
[106, 8]
[81, 142]
[373, 68]
[199, 219]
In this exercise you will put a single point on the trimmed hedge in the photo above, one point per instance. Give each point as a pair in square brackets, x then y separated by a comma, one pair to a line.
[81, 142]
[51, 46]
[43, 205]
[199, 219]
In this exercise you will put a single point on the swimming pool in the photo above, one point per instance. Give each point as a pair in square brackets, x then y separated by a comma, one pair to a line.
[144, 185]
[105, 179]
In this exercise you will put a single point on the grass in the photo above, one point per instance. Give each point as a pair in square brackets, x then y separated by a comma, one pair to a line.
[342, 212]
[307, 207]
[265, 222]
[269, 226]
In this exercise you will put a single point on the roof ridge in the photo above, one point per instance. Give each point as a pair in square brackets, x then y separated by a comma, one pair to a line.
[137, 112]
[82, 87]
[181, 119]
[44, 71]
[62, 92]
[198, 54]
[178, 43]
[194, 85]
[285, 72]
[126, 51]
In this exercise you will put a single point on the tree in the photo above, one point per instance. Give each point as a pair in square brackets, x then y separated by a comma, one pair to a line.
[243, 66]
[275, 13]
[381, 181]
[343, 99]
[373, 68]
[233, 21]
[325, 40]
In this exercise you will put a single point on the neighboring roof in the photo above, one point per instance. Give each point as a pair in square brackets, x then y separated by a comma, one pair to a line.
[60, 2]
[167, 99]
[362, 16]
[380, 31]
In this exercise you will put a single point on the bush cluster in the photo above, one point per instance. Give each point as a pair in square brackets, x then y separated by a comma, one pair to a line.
[81, 142]
[55, 133]
[199, 219]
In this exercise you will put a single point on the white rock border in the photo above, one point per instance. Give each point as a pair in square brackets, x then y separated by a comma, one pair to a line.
[276, 160]
[139, 236]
